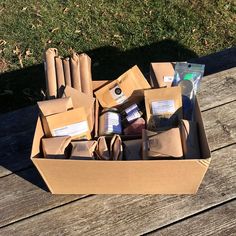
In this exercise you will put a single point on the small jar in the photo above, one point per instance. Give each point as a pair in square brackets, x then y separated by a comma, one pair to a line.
[110, 122]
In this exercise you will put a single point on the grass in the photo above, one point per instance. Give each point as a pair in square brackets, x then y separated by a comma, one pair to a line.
[116, 34]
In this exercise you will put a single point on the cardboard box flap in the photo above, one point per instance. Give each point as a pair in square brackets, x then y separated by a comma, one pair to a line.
[55, 106]
[128, 84]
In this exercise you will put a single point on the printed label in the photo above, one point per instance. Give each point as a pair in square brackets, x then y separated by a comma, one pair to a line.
[133, 115]
[117, 94]
[168, 79]
[112, 123]
[71, 130]
[131, 108]
[163, 107]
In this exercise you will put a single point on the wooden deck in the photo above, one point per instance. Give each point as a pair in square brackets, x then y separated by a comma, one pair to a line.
[27, 208]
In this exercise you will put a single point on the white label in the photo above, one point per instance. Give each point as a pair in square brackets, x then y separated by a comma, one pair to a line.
[168, 79]
[131, 108]
[71, 130]
[162, 107]
[133, 115]
[112, 123]
[117, 94]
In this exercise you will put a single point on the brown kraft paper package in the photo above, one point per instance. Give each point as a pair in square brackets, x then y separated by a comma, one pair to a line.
[75, 72]
[132, 149]
[162, 144]
[190, 142]
[132, 82]
[66, 67]
[56, 147]
[102, 150]
[116, 149]
[50, 72]
[162, 74]
[60, 76]
[163, 107]
[83, 150]
[78, 100]
[86, 74]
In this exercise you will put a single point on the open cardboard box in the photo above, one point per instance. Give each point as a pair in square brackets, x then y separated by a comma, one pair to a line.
[67, 176]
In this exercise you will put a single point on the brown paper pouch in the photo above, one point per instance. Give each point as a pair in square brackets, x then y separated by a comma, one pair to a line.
[72, 123]
[116, 149]
[102, 151]
[86, 74]
[132, 149]
[75, 71]
[162, 144]
[83, 150]
[189, 136]
[60, 76]
[67, 73]
[131, 83]
[56, 147]
[50, 72]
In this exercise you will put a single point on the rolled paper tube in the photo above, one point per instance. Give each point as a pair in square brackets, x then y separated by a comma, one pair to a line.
[60, 76]
[66, 67]
[86, 74]
[75, 71]
[50, 72]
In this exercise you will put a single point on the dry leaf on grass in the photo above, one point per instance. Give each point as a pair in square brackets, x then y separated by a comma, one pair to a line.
[17, 52]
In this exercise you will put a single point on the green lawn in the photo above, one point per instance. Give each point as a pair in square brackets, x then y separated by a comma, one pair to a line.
[116, 34]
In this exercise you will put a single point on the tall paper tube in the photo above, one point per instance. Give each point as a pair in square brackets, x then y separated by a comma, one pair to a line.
[75, 72]
[50, 72]
[86, 74]
[60, 76]
[66, 67]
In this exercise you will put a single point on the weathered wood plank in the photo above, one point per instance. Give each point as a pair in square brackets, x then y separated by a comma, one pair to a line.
[23, 194]
[134, 214]
[218, 221]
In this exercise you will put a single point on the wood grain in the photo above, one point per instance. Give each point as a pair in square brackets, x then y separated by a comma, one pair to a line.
[134, 214]
[218, 221]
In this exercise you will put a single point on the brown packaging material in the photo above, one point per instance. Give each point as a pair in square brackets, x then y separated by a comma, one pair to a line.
[116, 149]
[102, 151]
[86, 74]
[132, 82]
[132, 149]
[162, 144]
[161, 74]
[136, 127]
[163, 107]
[60, 76]
[80, 99]
[56, 147]
[72, 123]
[75, 72]
[83, 150]
[189, 136]
[50, 72]
[67, 73]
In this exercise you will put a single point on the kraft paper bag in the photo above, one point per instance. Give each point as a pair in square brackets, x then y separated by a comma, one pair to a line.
[116, 149]
[72, 123]
[162, 74]
[57, 147]
[190, 142]
[83, 150]
[75, 72]
[132, 149]
[60, 76]
[162, 144]
[80, 99]
[50, 72]
[101, 150]
[86, 74]
[131, 83]
[67, 72]
[163, 107]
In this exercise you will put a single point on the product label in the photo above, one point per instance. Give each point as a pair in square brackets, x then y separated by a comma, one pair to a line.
[133, 115]
[71, 130]
[168, 79]
[112, 123]
[131, 108]
[163, 107]
[117, 94]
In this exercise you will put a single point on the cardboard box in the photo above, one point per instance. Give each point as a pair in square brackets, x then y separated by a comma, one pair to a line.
[122, 177]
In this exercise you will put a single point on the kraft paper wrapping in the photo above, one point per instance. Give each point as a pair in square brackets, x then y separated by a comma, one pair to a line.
[50, 72]
[60, 76]
[86, 74]
[75, 71]
[66, 67]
